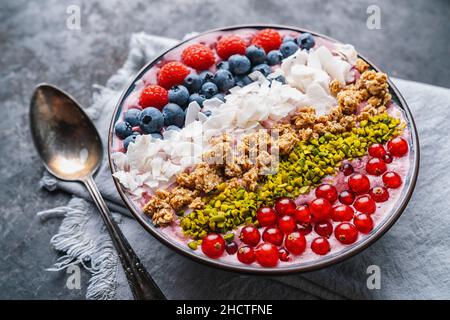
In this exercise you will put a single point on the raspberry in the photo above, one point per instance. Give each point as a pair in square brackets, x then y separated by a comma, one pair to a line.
[171, 74]
[198, 56]
[227, 46]
[268, 39]
[154, 96]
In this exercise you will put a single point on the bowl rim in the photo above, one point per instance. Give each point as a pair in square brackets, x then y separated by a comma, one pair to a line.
[355, 249]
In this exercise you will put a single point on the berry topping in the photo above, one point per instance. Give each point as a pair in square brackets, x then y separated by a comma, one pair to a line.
[273, 235]
[304, 228]
[198, 56]
[283, 255]
[288, 48]
[274, 57]
[302, 214]
[363, 222]
[376, 167]
[347, 197]
[377, 150]
[346, 233]
[132, 117]
[224, 80]
[268, 39]
[171, 74]
[359, 183]
[347, 169]
[285, 206]
[206, 76]
[342, 213]
[213, 245]
[173, 115]
[246, 255]
[250, 236]
[266, 216]
[327, 191]
[320, 246]
[151, 120]
[320, 209]
[387, 158]
[263, 68]
[179, 95]
[243, 80]
[154, 96]
[231, 248]
[266, 254]
[324, 229]
[123, 129]
[365, 204]
[255, 54]
[227, 46]
[223, 65]
[306, 41]
[199, 98]
[398, 147]
[193, 82]
[287, 224]
[295, 243]
[379, 194]
[130, 139]
[392, 180]
[239, 64]
[209, 89]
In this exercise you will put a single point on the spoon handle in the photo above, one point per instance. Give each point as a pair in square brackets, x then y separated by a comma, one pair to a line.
[141, 283]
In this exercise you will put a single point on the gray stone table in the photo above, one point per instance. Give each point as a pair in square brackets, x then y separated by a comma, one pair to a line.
[36, 46]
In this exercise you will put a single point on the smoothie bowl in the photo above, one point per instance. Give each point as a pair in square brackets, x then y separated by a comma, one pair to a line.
[264, 149]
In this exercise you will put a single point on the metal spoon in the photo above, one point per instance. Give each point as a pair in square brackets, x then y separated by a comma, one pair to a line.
[71, 149]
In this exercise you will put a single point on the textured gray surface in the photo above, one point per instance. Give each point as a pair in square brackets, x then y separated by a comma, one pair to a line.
[414, 43]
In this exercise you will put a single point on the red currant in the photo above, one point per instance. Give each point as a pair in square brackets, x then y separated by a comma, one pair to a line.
[359, 183]
[287, 224]
[295, 243]
[347, 169]
[250, 236]
[266, 254]
[246, 255]
[273, 235]
[363, 222]
[213, 245]
[346, 233]
[302, 214]
[266, 216]
[342, 213]
[376, 167]
[285, 206]
[304, 228]
[327, 191]
[365, 204]
[392, 180]
[231, 247]
[347, 197]
[320, 209]
[283, 254]
[320, 246]
[398, 147]
[377, 150]
[324, 229]
[387, 158]
[379, 194]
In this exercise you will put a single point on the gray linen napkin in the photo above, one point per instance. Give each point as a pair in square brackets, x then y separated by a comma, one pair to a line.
[413, 256]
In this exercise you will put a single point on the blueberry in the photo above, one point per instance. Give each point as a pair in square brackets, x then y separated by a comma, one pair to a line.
[173, 115]
[132, 117]
[219, 96]
[243, 80]
[256, 54]
[193, 82]
[224, 80]
[306, 41]
[280, 78]
[123, 129]
[274, 57]
[207, 113]
[209, 89]
[223, 65]
[199, 98]
[156, 135]
[263, 68]
[288, 38]
[151, 120]
[173, 127]
[179, 95]
[130, 139]
[206, 76]
[239, 64]
[288, 48]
